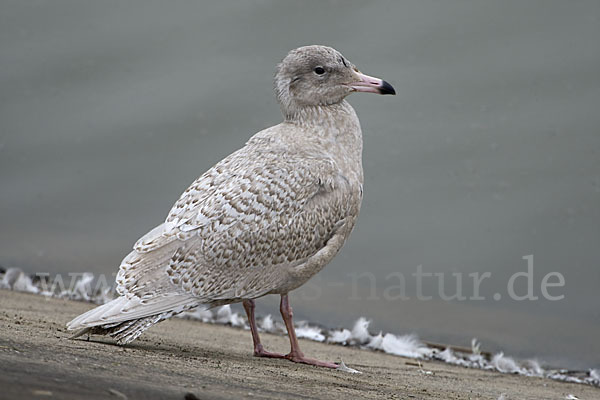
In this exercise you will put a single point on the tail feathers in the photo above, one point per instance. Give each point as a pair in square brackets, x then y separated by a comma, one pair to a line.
[124, 332]
[126, 319]
[123, 309]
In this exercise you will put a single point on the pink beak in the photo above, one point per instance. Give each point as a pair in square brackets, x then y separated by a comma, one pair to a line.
[370, 84]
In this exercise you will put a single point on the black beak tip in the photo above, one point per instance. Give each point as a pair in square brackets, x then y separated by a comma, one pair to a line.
[386, 88]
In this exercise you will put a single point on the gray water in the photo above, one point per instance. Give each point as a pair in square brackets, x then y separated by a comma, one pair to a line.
[489, 153]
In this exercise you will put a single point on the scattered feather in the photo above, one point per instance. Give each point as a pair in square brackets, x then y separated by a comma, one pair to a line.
[227, 317]
[421, 370]
[344, 368]
[83, 287]
[475, 346]
[303, 330]
[99, 292]
[506, 364]
[533, 368]
[360, 331]
[376, 342]
[16, 279]
[199, 314]
[595, 375]
[342, 336]
[267, 324]
[406, 345]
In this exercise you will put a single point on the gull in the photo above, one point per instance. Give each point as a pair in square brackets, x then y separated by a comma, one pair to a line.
[264, 220]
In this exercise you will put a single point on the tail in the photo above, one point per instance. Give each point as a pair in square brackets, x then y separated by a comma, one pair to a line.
[125, 319]
[123, 332]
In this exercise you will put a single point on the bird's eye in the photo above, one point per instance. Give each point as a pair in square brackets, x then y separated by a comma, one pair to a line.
[319, 70]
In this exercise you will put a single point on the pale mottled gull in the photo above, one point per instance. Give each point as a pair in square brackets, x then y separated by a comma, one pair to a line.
[263, 220]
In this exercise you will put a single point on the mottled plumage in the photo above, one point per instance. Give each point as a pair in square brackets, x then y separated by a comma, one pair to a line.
[263, 220]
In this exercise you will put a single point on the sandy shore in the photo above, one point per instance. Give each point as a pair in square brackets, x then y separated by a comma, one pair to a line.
[179, 357]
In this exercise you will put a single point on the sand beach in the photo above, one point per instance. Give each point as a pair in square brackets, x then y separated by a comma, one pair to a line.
[180, 358]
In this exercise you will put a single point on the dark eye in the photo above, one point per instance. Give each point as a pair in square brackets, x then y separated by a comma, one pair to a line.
[319, 70]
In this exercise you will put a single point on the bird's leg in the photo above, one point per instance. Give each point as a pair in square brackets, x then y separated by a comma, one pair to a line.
[259, 351]
[296, 354]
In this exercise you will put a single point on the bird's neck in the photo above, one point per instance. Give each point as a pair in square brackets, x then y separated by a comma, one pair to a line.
[321, 115]
[336, 129]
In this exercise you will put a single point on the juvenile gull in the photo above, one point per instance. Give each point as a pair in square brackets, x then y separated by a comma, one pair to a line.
[263, 220]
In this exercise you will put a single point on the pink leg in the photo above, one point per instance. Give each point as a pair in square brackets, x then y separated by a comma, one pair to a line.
[259, 351]
[296, 354]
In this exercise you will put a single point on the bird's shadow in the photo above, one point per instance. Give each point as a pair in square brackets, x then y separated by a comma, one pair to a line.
[172, 349]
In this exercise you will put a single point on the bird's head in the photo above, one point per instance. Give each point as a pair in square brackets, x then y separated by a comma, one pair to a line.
[319, 76]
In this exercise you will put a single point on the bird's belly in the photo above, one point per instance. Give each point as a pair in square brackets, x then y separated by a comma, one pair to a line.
[298, 275]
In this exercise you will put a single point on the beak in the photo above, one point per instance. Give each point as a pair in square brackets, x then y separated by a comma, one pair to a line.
[370, 84]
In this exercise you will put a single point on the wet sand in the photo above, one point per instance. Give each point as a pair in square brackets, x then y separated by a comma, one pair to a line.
[180, 357]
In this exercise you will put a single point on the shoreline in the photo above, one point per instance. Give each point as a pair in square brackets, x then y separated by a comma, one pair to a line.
[181, 356]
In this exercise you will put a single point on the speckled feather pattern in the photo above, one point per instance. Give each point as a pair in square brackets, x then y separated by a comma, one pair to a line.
[262, 221]
[249, 225]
